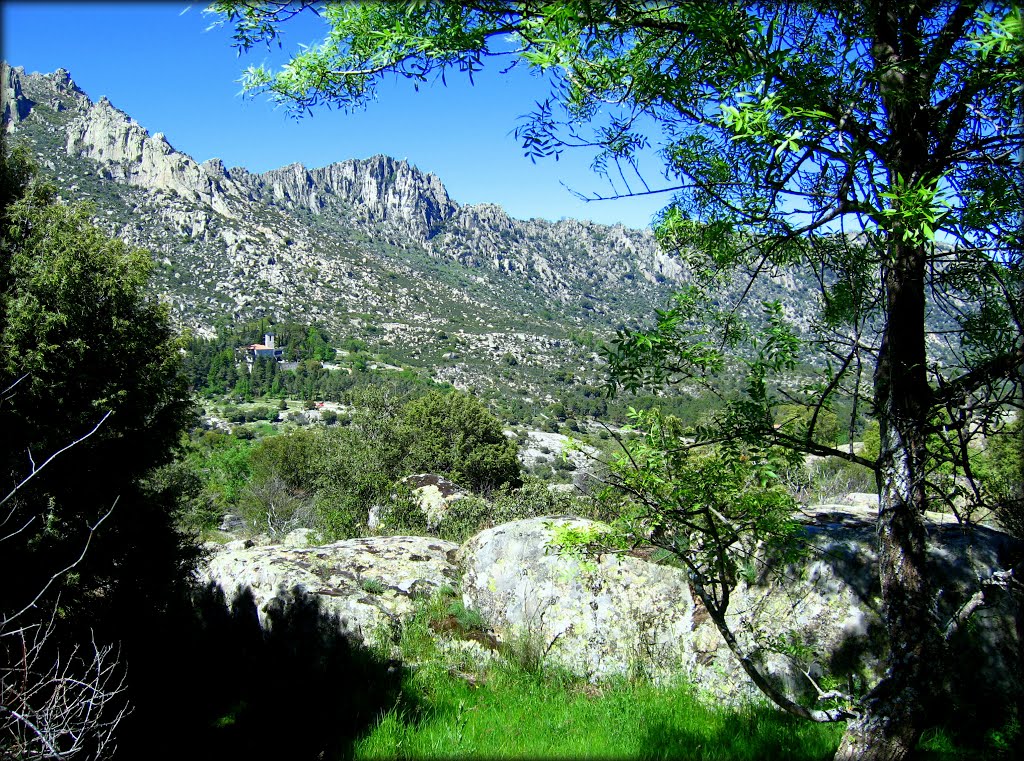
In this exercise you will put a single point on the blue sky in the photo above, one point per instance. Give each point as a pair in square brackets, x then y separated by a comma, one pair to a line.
[161, 64]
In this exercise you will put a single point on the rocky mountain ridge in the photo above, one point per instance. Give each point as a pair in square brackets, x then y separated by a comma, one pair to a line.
[371, 247]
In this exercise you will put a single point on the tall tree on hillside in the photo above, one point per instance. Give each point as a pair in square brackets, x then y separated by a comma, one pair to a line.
[878, 144]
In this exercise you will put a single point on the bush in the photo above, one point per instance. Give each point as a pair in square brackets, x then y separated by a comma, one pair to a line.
[795, 420]
[534, 499]
[455, 435]
[828, 479]
[1000, 468]
[402, 514]
[465, 517]
[270, 507]
[339, 516]
[261, 413]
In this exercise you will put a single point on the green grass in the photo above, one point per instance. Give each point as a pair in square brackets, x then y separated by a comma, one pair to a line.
[512, 714]
[451, 708]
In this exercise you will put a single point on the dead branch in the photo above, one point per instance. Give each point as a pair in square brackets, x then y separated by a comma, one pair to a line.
[65, 709]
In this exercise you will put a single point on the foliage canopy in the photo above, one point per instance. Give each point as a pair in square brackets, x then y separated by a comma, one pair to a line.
[83, 346]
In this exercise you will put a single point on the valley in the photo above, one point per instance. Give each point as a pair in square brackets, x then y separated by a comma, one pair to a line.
[371, 249]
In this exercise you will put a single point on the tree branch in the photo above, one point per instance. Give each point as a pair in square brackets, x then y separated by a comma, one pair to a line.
[991, 590]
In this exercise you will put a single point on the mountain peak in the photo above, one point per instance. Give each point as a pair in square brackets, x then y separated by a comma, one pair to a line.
[373, 235]
[380, 189]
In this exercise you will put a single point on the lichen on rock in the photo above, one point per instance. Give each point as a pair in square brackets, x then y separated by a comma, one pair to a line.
[371, 584]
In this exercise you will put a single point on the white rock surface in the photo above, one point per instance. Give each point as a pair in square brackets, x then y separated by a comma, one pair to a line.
[370, 584]
[819, 616]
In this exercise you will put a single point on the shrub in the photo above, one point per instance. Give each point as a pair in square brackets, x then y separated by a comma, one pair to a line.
[465, 517]
[338, 516]
[1000, 468]
[269, 506]
[795, 420]
[402, 514]
[454, 434]
[828, 479]
[534, 499]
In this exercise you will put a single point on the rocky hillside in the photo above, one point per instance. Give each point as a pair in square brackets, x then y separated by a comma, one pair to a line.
[372, 247]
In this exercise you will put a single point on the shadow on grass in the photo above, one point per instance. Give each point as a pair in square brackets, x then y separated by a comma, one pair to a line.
[212, 683]
[748, 733]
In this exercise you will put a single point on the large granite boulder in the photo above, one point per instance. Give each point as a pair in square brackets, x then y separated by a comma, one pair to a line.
[623, 614]
[370, 584]
[816, 619]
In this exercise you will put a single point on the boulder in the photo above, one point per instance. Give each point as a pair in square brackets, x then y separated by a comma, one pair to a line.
[815, 619]
[370, 584]
[299, 537]
[861, 499]
[622, 615]
[434, 494]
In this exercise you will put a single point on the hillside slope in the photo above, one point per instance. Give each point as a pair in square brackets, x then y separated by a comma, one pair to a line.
[371, 247]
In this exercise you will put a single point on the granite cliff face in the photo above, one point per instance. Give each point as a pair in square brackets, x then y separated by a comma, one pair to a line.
[370, 247]
[128, 154]
[383, 192]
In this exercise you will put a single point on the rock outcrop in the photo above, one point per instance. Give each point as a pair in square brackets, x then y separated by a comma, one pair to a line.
[15, 105]
[370, 584]
[818, 618]
[129, 154]
[380, 190]
[434, 494]
[625, 614]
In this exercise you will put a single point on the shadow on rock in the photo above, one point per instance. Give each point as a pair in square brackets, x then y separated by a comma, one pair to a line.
[215, 684]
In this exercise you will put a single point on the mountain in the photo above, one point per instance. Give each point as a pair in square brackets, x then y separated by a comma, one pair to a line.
[370, 248]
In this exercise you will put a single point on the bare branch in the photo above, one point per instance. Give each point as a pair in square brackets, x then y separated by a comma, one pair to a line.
[991, 590]
[85, 548]
[35, 469]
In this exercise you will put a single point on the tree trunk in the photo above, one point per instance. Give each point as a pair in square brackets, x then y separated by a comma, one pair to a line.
[893, 712]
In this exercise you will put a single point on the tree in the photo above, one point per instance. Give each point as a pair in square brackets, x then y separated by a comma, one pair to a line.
[877, 144]
[454, 434]
[88, 358]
